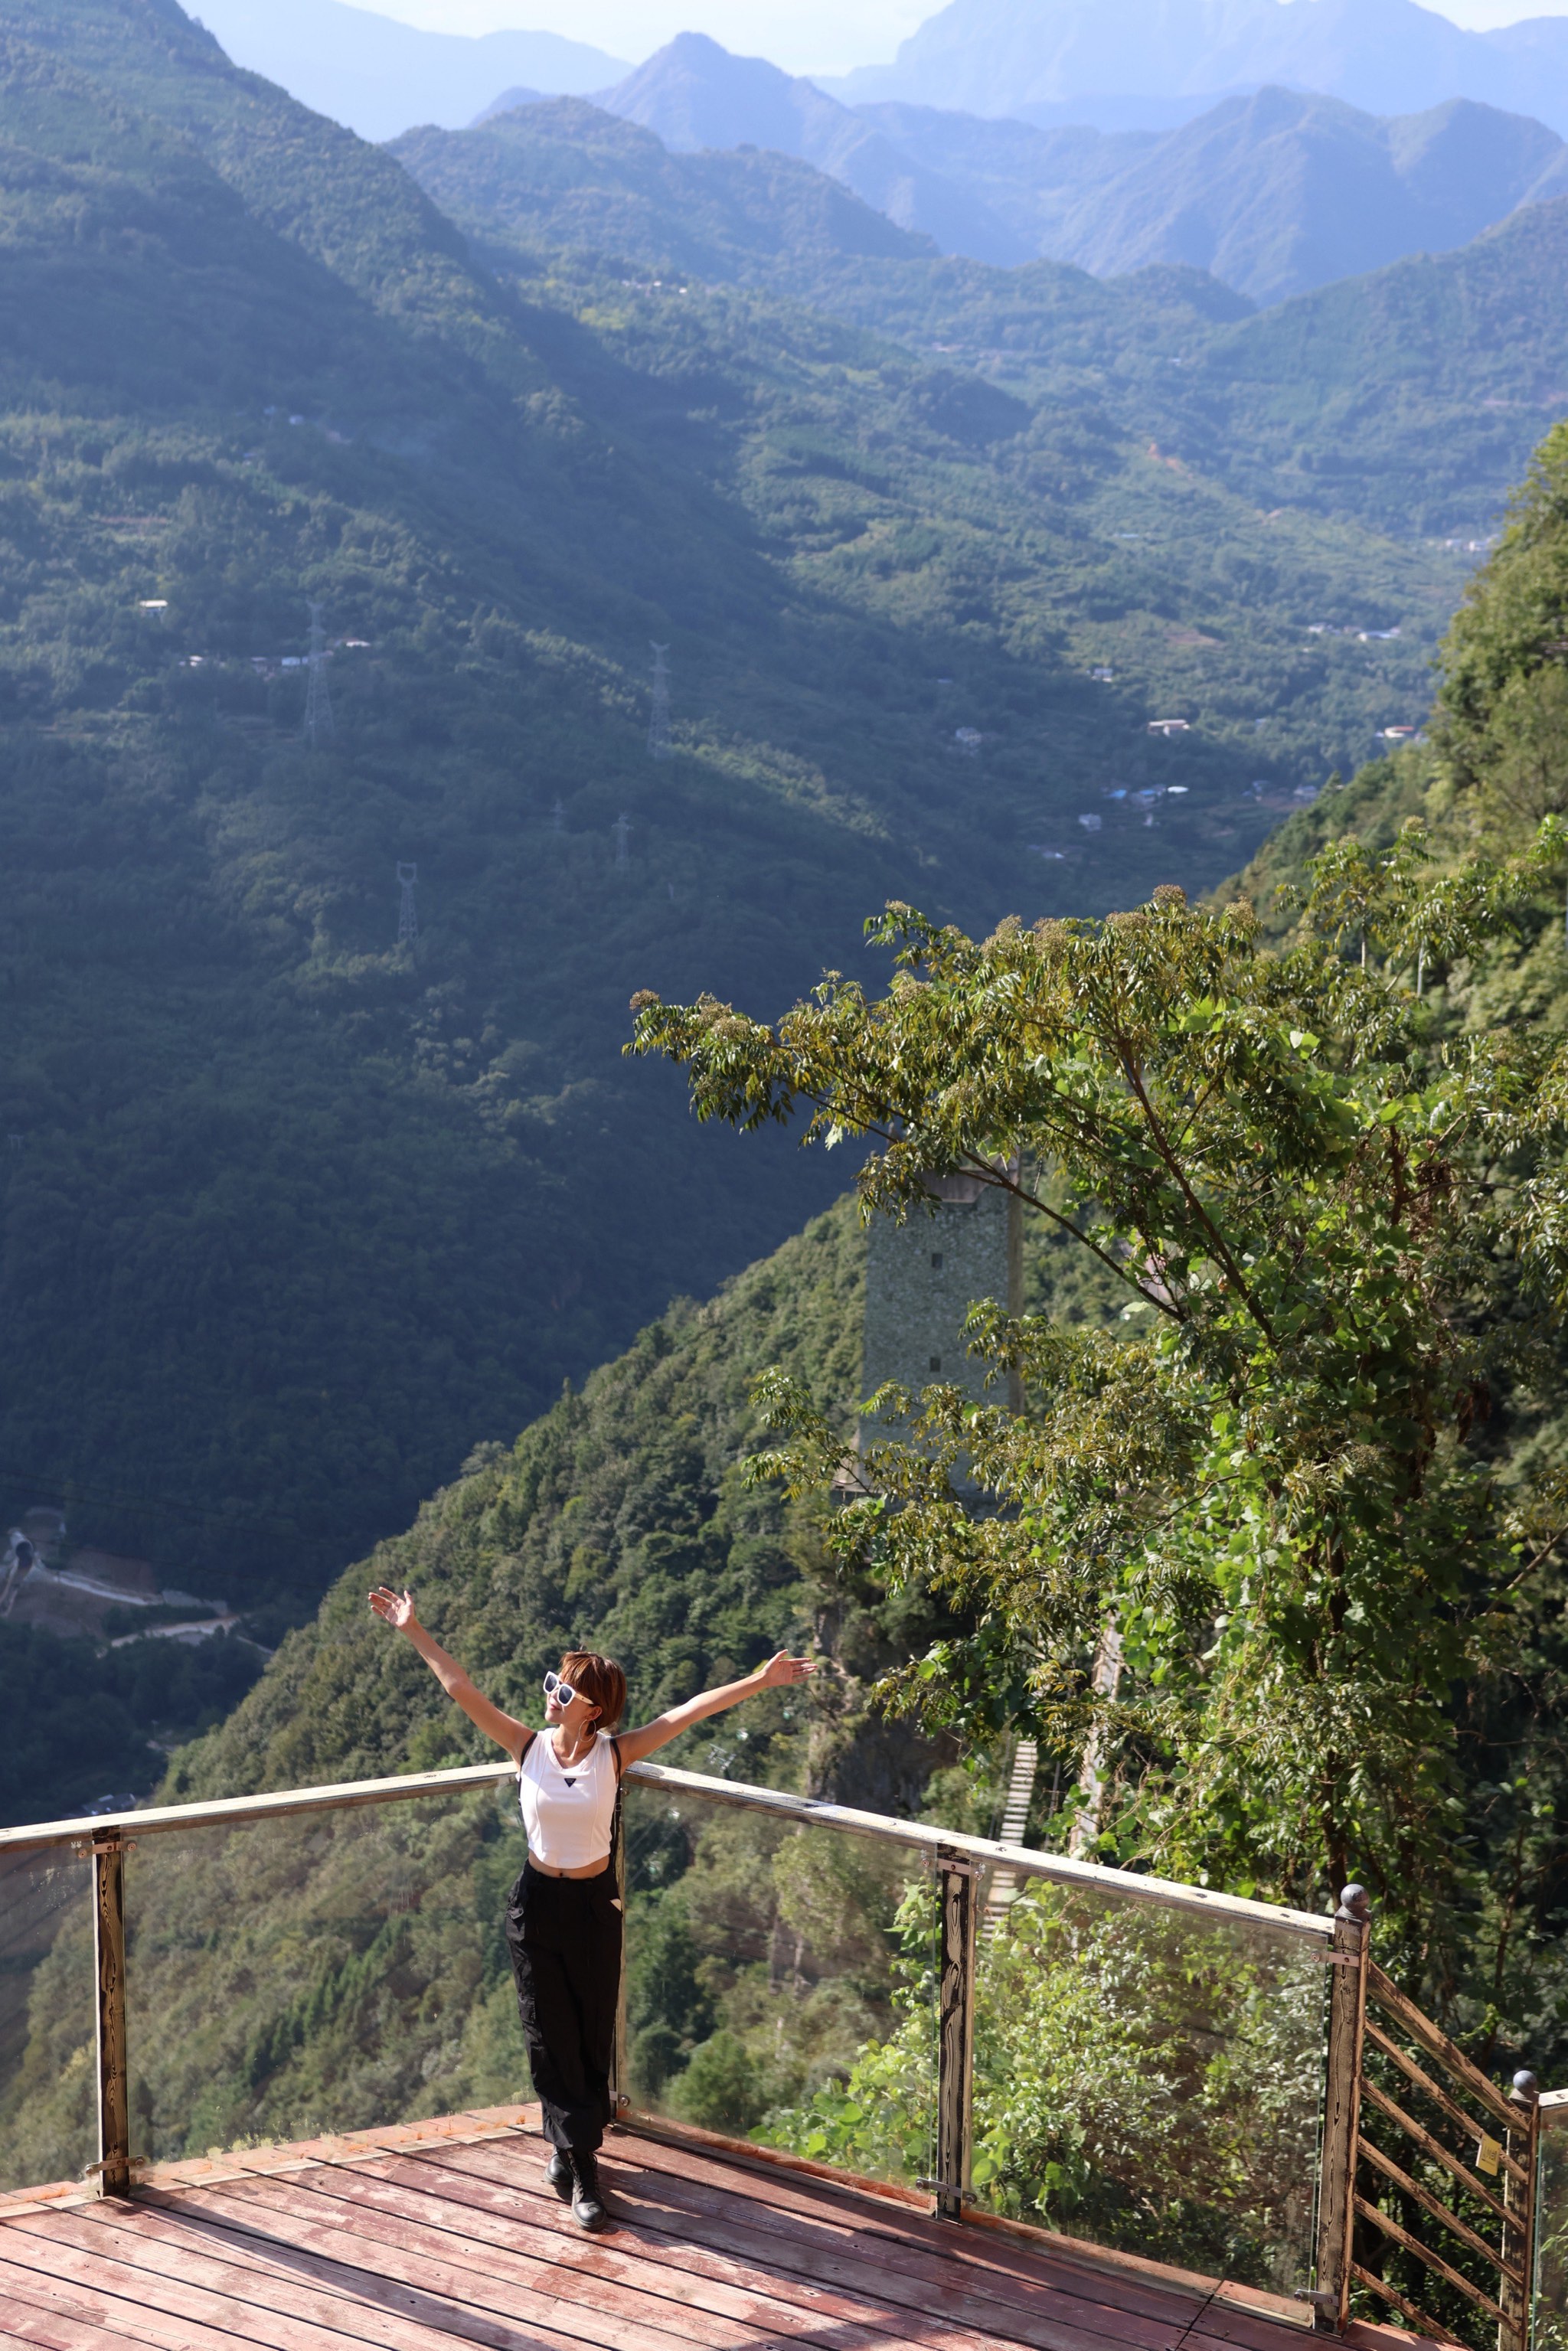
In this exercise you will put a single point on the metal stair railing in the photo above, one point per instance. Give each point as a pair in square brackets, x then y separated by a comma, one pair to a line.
[1375, 2209]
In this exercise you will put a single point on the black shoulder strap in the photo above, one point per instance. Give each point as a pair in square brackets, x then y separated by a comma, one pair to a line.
[617, 1826]
[529, 1739]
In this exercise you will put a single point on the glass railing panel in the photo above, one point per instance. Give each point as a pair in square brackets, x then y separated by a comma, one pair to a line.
[1151, 2080]
[1551, 2328]
[780, 1983]
[324, 1971]
[48, 2109]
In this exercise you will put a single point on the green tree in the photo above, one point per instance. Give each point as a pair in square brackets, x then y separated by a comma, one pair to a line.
[1505, 691]
[1328, 1211]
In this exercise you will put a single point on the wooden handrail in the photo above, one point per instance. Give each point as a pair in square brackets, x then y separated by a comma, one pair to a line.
[806, 1811]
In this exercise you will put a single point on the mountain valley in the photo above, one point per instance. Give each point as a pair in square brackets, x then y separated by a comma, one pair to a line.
[999, 590]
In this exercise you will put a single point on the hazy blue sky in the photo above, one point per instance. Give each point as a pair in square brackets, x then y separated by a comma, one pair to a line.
[805, 36]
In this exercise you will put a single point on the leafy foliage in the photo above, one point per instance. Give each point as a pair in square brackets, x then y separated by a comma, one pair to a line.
[1321, 1209]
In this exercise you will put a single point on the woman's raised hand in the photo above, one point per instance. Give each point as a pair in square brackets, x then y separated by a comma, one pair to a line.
[393, 1608]
[783, 1669]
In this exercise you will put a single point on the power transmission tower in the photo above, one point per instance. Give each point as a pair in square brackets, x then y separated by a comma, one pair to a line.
[659, 717]
[622, 829]
[407, 912]
[318, 700]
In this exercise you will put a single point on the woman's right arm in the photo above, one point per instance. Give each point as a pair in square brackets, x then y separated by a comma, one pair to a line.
[396, 1609]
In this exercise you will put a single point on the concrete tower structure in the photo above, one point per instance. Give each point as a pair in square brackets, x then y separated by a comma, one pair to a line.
[922, 1278]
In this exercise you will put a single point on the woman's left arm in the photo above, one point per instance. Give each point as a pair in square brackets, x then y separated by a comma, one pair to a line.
[776, 1674]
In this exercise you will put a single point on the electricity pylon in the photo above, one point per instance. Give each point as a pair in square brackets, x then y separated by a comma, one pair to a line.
[659, 716]
[318, 700]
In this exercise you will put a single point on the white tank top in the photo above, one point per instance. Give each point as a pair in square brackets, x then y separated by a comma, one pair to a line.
[568, 1814]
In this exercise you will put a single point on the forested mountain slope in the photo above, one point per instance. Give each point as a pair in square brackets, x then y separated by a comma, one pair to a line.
[623, 1519]
[295, 1215]
[1407, 399]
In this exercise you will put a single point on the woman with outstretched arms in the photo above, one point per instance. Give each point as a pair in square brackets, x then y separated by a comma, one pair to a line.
[563, 1914]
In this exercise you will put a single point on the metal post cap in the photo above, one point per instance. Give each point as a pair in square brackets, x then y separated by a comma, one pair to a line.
[1526, 2089]
[1354, 1901]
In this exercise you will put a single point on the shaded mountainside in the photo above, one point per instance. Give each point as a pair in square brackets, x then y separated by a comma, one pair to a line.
[621, 1519]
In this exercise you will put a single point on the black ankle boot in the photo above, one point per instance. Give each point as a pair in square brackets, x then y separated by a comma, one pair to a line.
[557, 2175]
[587, 2196]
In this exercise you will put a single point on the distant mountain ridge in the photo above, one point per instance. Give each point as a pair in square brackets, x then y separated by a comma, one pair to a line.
[1386, 56]
[696, 94]
[376, 76]
[1274, 194]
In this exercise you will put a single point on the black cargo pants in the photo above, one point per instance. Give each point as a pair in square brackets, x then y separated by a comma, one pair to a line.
[564, 1936]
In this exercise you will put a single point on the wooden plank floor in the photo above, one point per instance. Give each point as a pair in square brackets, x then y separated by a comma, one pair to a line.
[433, 2233]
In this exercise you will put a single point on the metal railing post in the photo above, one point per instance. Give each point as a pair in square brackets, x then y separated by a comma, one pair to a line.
[109, 1956]
[959, 1895]
[1342, 2106]
[1519, 2229]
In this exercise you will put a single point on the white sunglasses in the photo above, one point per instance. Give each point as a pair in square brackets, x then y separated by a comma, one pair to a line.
[556, 1687]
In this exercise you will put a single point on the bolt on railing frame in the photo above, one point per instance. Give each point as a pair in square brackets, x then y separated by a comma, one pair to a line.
[961, 1865]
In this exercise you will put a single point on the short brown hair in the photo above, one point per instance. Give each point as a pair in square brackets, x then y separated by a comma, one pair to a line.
[598, 1679]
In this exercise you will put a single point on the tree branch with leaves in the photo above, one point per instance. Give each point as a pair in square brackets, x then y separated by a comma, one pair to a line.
[1316, 1193]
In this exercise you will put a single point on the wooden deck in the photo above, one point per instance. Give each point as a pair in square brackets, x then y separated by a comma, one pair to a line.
[412, 2239]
